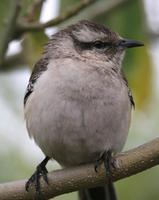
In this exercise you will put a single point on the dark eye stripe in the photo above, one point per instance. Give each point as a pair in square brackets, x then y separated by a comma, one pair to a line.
[97, 44]
[101, 45]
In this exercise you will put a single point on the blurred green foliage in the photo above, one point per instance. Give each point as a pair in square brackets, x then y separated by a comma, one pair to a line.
[33, 46]
[13, 166]
[140, 186]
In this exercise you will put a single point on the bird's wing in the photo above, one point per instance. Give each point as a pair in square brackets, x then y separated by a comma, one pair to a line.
[129, 91]
[39, 67]
[131, 98]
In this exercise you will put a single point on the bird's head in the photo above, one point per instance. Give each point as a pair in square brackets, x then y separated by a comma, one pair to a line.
[93, 42]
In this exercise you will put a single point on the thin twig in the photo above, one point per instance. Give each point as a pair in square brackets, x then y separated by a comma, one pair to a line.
[23, 27]
[72, 179]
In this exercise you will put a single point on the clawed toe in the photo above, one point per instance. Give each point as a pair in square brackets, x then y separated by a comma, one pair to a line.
[35, 179]
[106, 157]
[41, 171]
[97, 164]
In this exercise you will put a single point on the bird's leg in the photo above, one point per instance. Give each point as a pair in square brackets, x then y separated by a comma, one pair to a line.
[109, 162]
[35, 178]
[106, 157]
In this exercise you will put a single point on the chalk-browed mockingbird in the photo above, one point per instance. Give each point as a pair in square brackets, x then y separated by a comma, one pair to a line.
[77, 103]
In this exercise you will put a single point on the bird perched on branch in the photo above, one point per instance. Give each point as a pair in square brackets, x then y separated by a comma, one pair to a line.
[77, 103]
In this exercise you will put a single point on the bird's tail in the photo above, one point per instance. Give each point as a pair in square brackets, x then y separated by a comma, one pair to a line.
[106, 192]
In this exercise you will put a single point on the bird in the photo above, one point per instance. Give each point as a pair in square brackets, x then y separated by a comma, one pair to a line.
[77, 104]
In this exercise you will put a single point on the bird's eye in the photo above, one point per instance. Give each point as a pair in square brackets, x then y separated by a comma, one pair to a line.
[99, 44]
[102, 45]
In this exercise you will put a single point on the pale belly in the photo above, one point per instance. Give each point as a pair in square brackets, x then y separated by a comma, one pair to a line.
[74, 133]
[77, 128]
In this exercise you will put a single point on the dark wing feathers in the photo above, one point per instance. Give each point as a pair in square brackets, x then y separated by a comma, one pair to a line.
[129, 91]
[131, 98]
[39, 67]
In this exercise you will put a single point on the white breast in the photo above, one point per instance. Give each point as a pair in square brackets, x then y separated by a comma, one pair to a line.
[77, 112]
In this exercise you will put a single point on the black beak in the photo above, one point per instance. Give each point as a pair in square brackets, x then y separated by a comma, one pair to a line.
[130, 43]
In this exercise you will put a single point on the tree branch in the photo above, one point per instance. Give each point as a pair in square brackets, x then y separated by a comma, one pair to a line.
[75, 178]
[23, 27]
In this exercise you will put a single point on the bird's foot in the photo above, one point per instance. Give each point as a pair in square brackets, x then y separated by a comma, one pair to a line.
[106, 157]
[35, 178]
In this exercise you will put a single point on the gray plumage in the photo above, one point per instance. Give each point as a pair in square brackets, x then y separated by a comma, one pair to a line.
[79, 104]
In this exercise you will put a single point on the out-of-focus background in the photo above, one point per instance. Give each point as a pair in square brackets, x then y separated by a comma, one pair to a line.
[134, 19]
